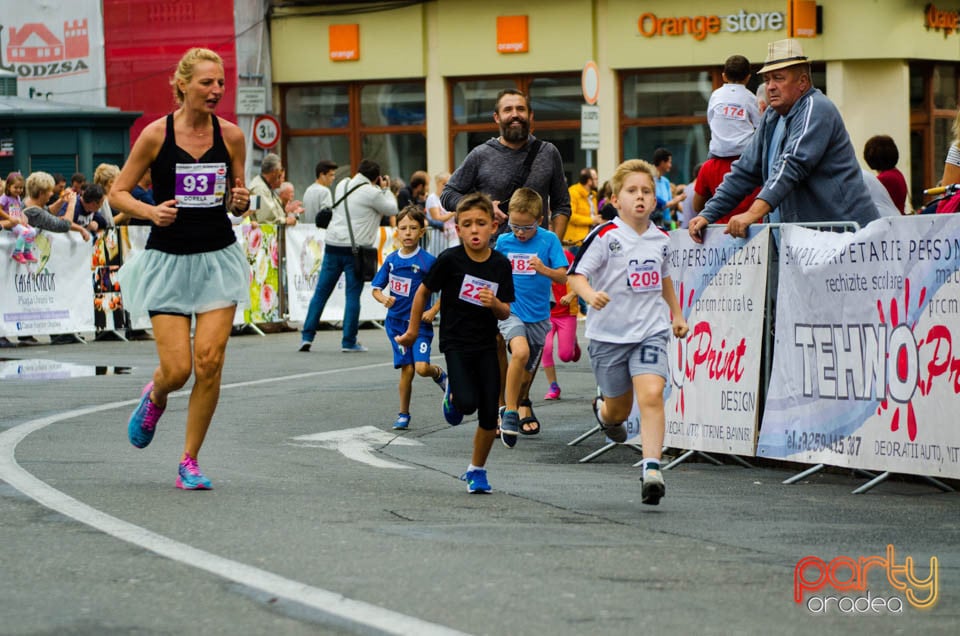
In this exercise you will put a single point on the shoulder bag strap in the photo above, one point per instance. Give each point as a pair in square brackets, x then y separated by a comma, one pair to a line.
[346, 209]
[528, 162]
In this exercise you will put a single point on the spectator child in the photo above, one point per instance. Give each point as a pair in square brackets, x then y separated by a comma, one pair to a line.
[563, 326]
[476, 289]
[623, 273]
[13, 219]
[537, 260]
[401, 273]
[732, 111]
[39, 188]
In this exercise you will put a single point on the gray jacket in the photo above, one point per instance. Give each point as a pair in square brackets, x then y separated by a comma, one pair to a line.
[43, 220]
[491, 168]
[816, 176]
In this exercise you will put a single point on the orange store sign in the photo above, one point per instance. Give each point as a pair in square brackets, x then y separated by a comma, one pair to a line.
[700, 26]
[937, 19]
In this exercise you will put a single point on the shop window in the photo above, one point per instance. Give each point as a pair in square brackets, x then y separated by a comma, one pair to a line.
[347, 122]
[934, 90]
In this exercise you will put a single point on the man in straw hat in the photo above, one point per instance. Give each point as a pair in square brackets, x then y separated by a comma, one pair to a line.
[800, 156]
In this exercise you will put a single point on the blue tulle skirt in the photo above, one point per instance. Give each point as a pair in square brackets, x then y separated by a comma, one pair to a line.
[185, 283]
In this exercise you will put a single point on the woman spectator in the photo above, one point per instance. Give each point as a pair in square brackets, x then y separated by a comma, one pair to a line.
[881, 154]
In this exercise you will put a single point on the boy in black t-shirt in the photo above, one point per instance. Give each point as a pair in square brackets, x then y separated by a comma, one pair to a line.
[476, 289]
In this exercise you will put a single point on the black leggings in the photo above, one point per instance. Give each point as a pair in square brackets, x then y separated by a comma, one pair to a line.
[474, 378]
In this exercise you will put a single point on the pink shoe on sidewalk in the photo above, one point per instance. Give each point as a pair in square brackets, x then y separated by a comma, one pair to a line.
[553, 393]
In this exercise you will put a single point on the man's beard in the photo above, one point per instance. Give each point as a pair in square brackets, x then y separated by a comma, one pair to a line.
[515, 135]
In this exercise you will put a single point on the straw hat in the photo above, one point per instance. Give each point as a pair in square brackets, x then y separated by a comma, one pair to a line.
[783, 53]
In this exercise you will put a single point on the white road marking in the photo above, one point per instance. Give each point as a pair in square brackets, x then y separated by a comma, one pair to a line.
[357, 444]
[363, 615]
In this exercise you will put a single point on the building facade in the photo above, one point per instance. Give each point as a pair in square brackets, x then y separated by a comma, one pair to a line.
[413, 87]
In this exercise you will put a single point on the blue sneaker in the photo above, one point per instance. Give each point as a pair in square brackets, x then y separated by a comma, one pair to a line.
[143, 420]
[403, 421]
[476, 481]
[190, 477]
[354, 348]
[450, 412]
[441, 380]
[509, 428]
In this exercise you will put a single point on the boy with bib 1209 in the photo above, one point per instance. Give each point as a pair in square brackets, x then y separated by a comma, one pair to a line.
[476, 289]
[401, 275]
[537, 260]
[623, 273]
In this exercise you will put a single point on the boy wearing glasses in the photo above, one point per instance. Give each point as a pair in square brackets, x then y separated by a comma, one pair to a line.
[537, 260]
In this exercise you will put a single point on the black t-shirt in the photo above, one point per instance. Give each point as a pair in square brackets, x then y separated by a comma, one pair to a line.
[465, 326]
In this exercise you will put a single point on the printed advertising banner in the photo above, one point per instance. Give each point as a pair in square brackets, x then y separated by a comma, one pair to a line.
[721, 286]
[52, 294]
[864, 372]
[56, 49]
[304, 255]
[261, 244]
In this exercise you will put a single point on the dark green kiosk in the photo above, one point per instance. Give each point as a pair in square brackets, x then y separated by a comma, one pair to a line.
[36, 134]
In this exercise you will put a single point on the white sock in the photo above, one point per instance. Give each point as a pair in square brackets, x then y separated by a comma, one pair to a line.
[472, 467]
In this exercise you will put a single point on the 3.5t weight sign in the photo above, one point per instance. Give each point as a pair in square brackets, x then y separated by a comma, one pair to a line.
[266, 131]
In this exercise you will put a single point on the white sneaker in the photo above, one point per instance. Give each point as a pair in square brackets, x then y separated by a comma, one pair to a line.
[653, 488]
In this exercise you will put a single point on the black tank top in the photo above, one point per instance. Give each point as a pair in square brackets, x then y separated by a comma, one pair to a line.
[202, 223]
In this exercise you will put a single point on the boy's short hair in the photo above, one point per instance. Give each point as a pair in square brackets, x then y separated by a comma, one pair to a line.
[526, 200]
[415, 212]
[92, 192]
[659, 156]
[629, 167]
[736, 68]
[78, 177]
[880, 153]
[324, 166]
[475, 201]
[39, 183]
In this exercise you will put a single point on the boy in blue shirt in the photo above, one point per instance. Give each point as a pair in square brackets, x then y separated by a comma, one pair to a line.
[537, 261]
[401, 274]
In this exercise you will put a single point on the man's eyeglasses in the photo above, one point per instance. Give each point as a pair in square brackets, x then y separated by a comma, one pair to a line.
[522, 228]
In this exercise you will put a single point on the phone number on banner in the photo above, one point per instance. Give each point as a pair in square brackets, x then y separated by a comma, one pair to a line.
[804, 441]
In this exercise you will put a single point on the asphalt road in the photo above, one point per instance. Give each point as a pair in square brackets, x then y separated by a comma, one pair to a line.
[358, 530]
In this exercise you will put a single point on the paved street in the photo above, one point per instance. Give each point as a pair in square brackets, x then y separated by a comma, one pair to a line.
[368, 532]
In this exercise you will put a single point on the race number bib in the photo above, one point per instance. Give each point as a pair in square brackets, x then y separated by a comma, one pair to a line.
[399, 286]
[644, 277]
[200, 185]
[470, 289]
[521, 264]
[730, 111]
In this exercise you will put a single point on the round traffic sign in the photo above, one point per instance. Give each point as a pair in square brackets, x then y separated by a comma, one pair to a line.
[590, 82]
[266, 131]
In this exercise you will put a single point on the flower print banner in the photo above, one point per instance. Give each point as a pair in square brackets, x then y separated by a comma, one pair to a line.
[53, 294]
[304, 256]
[261, 245]
[715, 371]
[864, 372]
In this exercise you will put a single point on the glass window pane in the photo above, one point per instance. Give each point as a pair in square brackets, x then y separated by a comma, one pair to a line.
[666, 94]
[464, 142]
[393, 104]
[398, 155]
[326, 106]
[474, 100]
[554, 98]
[942, 138]
[917, 185]
[303, 153]
[917, 74]
[944, 86]
[688, 144]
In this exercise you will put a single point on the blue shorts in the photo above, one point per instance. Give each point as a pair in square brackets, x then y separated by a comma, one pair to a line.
[419, 352]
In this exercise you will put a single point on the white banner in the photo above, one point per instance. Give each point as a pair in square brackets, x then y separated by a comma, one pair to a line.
[304, 255]
[56, 49]
[54, 294]
[864, 372]
[133, 239]
[721, 285]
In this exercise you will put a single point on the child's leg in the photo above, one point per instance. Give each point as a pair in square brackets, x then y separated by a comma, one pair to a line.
[566, 327]
[547, 361]
[461, 381]
[516, 375]
[406, 387]
[649, 391]
[484, 372]
[421, 359]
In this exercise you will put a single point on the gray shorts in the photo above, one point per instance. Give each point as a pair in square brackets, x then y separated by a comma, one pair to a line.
[534, 332]
[616, 364]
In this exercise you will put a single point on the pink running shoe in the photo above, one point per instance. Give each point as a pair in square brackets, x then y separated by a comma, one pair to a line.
[553, 393]
[190, 477]
[19, 257]
[30, 258]
[143, 421]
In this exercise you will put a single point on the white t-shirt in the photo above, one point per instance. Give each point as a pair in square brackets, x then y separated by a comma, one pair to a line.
[631, 268]
[733, 115]
[315, 198]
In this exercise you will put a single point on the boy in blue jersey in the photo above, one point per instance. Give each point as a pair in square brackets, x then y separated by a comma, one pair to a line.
[537, 261]
[401, 274]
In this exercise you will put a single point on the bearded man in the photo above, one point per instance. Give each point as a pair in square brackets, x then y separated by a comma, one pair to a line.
[515, 159]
